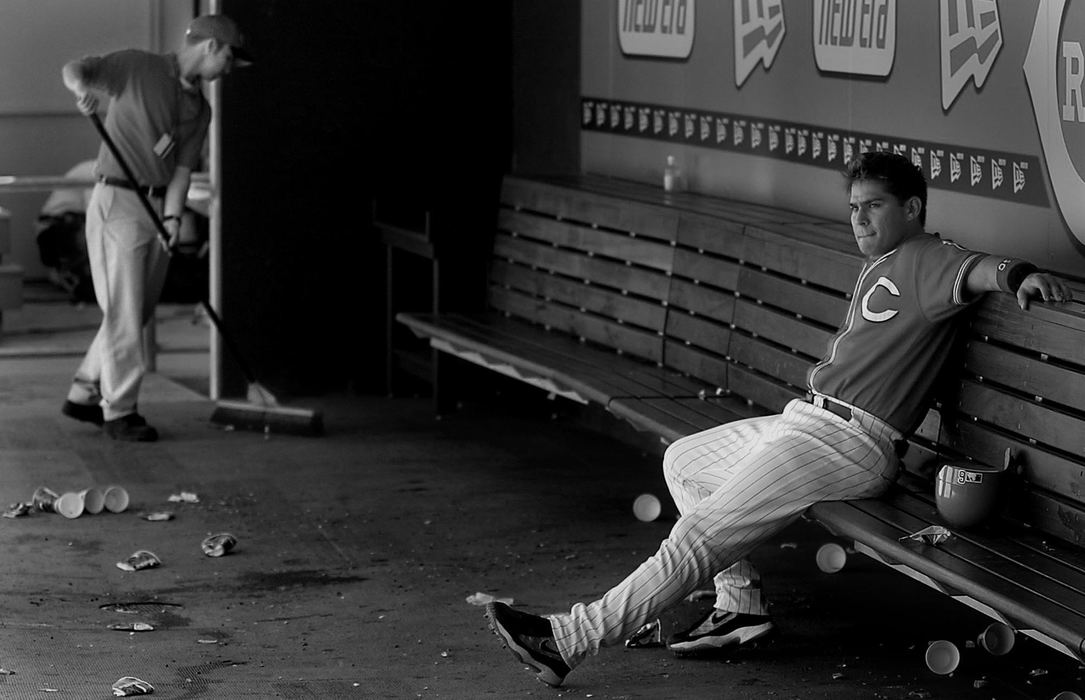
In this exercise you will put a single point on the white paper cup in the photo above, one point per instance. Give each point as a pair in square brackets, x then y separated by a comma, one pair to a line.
[70, 504]
[93, 499]
[997, 639]
[116, 499]
[647, 507]
[831, 557]
[942, 657]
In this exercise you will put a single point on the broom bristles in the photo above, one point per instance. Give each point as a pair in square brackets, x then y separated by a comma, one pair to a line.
[268, 419]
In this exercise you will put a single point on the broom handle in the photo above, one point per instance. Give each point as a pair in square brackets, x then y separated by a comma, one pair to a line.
[165, 238]
[108, 140]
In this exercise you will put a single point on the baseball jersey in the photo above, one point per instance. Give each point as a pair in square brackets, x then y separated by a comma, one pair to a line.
[899, 330]
[155, 122]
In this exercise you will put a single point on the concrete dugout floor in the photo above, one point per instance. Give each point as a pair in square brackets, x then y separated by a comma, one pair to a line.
[357, 551]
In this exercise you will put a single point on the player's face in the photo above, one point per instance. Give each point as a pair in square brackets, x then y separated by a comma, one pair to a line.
[879, 220]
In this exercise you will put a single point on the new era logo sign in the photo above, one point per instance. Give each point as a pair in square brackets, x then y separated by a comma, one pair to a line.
[971, 39]
[759, 31]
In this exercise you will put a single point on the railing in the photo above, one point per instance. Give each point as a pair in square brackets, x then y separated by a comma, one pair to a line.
[46, 183]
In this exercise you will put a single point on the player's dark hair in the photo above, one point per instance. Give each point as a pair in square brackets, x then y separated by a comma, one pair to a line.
[902, 178]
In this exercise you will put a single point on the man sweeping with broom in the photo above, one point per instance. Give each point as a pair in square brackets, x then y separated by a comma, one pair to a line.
[158, 118]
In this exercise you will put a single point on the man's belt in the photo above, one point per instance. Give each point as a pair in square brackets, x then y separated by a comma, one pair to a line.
[150, 190]
[831, 406]
[899, 446]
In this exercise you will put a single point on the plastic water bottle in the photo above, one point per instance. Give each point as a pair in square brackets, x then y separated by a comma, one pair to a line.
[670, 176]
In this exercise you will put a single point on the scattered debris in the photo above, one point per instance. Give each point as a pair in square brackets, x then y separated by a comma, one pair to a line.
[6, 672]
[839, 675]
[141, 559]
[933, 535]
[158, 516]
[43, 499]
[130, 685]
[18, 510]
[184, 497]
[485, 598]
[132, 627]
[789, 545]
[207, 641]
[647, 636]
[218, 544]
[1037, 672]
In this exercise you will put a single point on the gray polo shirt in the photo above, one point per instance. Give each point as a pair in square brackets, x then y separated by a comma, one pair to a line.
[156, 123]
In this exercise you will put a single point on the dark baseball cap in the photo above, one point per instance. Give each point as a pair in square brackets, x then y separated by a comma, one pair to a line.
[223, 30]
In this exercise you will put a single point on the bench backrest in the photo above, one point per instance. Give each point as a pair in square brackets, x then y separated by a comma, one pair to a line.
[1022, 388]
[594, 266]
[753, 306]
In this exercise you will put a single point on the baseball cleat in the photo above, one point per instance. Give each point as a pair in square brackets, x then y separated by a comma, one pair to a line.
[531, 640]
[719, 630]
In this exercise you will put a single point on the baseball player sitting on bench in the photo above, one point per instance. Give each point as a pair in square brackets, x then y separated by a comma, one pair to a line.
[737, 485]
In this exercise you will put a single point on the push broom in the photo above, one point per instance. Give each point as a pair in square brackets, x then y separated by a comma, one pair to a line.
[261, 410]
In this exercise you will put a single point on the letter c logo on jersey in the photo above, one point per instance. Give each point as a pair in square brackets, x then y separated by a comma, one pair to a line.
[880, 316]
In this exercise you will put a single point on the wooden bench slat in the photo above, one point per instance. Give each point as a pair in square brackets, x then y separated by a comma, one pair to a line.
[705, 366]
[575, 361]
[636, 342]
[695, 267]
[771, 360]
[1046, 328]
[810, 302]
[672, 419]
[802, 260]
[584, 206]
[1023, 608]
[1062, 579]
[785, 330]
[637, 311]
[619, 246]
[1022, 417]
[762, 390]
[1043, 468]
[722, 238]
[702, 332]
[595, 373]
[510, 249]
[702, 300]
[1064, 385]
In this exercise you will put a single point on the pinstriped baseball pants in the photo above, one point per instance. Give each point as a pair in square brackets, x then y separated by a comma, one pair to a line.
[735, 486]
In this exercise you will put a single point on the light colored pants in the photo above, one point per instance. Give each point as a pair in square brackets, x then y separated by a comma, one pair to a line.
[129, 268]
[735, 485]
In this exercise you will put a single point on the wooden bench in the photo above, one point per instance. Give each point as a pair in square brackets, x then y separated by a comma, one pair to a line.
[680, 312]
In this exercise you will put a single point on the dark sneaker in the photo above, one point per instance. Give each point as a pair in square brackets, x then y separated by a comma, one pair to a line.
[718, 630]
[130, 428]
[531, 640]
[88, 413]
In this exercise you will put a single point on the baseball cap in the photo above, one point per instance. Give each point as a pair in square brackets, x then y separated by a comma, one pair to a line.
[222, 29]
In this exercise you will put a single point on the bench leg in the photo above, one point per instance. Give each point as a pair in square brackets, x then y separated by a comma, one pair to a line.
[444, 384]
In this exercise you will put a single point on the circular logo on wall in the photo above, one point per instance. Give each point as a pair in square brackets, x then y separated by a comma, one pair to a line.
[1055, 73]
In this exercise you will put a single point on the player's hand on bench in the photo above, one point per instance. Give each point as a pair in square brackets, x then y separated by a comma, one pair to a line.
[1043, 285]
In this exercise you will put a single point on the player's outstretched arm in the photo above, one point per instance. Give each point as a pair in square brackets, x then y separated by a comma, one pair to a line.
[1018, 277]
